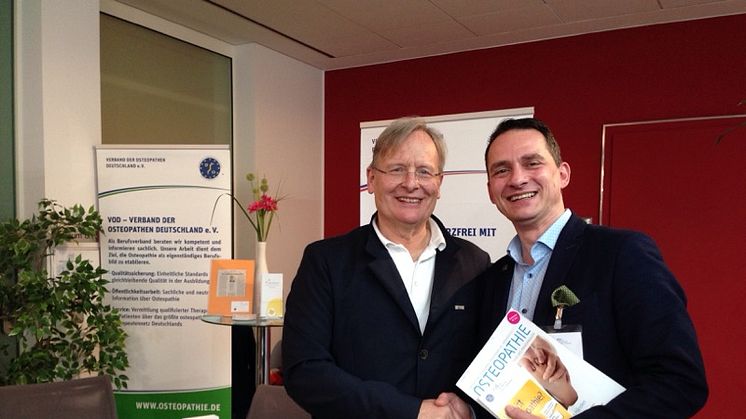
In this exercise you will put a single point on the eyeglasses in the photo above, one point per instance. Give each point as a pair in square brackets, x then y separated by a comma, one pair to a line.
[399, 174]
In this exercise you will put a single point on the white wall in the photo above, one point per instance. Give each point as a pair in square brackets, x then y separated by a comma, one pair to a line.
[58, 101]
[278, 122]
[279, 134]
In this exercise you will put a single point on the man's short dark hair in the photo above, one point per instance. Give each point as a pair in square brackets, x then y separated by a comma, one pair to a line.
[527, 123]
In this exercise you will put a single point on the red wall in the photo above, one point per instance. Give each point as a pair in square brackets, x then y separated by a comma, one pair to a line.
[576, 85]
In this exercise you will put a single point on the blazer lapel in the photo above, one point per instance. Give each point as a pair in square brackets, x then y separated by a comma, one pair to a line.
[445, 282]
[385, 272]
[504, 278]
[497, 281]
[563, 256]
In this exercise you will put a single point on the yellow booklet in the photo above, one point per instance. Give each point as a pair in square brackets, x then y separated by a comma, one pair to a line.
[532, 398]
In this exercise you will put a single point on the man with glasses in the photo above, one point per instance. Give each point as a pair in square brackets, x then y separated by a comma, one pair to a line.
[381, 320]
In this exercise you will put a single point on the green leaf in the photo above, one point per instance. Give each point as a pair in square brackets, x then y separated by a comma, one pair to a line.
[45, 311]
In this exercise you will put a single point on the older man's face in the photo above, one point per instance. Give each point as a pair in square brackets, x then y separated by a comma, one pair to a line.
[406, 202]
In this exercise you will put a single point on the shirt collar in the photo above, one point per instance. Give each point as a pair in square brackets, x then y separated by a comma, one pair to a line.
[544, 244]
[437, 240]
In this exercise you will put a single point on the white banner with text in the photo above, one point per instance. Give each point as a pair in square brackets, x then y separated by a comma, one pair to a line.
[160, 236]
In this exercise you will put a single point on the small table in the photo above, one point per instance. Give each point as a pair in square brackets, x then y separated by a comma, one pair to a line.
[263, 338]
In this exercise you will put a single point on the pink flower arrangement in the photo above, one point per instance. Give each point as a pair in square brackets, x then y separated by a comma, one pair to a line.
[265, 203]
[262, 210]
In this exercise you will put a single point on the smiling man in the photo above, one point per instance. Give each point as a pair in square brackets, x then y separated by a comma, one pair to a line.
[380, 321]
[635, 327]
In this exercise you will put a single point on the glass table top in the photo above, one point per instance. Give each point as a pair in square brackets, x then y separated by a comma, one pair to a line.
[243, 320]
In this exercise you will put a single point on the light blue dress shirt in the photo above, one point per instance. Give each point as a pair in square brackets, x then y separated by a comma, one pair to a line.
[527, 279]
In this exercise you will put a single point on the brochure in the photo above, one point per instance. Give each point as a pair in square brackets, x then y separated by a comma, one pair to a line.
[231, 287]
[269, 301]
[507, 371]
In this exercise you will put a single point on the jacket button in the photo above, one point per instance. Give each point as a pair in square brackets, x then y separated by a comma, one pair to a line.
[423, 354]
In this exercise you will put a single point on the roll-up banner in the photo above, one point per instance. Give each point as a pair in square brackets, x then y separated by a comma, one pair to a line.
[464, 206]
[159, 238]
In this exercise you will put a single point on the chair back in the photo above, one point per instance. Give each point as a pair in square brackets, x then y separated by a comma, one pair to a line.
[90, 397]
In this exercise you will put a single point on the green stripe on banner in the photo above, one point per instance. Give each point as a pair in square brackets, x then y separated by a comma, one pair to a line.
[175, 404]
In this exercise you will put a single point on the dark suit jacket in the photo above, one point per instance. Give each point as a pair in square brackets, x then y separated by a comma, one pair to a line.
[352, 347]
[633, 313]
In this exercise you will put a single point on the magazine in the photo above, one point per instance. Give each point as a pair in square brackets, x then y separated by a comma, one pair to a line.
[506, 371]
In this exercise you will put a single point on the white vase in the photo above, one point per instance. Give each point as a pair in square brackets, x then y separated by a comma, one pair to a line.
[260, 268]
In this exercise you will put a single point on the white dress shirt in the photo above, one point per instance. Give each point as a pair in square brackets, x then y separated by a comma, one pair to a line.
[417, 275]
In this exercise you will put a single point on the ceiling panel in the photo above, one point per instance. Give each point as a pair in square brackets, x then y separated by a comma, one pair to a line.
[683, 3]
[381, 15]
[331, 34]
[464, 8]
[512, 20]
[298, 19]
[429, 34]
[573, 10]
[358, 45]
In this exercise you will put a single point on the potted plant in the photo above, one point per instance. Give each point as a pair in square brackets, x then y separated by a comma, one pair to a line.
[61, 323]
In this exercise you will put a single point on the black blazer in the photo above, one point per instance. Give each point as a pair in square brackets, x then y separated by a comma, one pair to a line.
[352, 345]
[633, 313]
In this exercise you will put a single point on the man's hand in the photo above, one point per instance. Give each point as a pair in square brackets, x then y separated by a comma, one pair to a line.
[516, 413]
[446, 406]
[459, 406]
